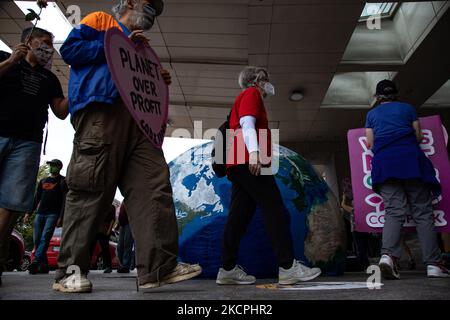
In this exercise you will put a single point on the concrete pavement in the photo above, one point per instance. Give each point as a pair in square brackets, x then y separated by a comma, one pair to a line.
[114, 286]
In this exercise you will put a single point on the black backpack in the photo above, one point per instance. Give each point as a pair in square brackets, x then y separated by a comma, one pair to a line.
[219, 151]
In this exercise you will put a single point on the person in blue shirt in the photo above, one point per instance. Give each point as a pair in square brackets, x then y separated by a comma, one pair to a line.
[405, 179]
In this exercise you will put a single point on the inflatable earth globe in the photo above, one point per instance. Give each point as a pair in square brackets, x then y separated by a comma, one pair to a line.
[202, 201]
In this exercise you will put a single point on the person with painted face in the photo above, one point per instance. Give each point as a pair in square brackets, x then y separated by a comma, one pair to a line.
[253, 184]
[111, 151]
[27, 88]
[49, 206]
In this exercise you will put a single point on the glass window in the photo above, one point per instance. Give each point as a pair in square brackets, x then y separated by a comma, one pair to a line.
[384, 9]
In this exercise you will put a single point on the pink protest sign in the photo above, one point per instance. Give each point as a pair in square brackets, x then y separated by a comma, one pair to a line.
[135, 70]
[368, 206]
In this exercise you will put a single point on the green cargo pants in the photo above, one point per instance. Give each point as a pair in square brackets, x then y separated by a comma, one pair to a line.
[110, 151]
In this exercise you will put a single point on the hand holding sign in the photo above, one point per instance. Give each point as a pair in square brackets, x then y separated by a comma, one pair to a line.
[137, 73]
[166, 76]
[139, 36]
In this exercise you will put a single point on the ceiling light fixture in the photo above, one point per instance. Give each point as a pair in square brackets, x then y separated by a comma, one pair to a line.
[296, 96]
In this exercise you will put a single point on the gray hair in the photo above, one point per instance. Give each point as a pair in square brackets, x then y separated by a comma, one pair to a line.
[248, 76]
[120, 8]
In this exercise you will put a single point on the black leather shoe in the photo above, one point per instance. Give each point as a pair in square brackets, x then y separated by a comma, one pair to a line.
[43, 269]
[123, 270]
[33, 268]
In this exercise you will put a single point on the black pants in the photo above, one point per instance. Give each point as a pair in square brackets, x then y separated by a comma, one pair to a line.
[349, 235]
[249, 191]
[103, 241]
[362, 248]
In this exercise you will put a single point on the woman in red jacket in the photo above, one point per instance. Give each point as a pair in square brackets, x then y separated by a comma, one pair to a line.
[253, 184]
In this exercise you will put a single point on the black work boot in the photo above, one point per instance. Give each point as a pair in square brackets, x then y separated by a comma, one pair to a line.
[33, 268]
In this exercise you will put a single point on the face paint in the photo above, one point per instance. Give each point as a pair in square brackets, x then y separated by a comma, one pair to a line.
[43, 53]
[53, 170]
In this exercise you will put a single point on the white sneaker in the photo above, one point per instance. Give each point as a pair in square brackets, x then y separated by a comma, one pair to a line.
[235, 276]
[437, 271]
[389, 268]
[75, 283]
[182, 272]
[298, 272]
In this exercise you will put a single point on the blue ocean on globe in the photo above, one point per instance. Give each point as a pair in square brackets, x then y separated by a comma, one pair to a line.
[202, 202]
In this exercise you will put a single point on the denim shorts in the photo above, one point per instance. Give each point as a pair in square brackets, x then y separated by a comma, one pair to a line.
[19, 165]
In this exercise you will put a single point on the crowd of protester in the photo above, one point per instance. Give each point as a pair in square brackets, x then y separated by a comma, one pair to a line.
[110, 151]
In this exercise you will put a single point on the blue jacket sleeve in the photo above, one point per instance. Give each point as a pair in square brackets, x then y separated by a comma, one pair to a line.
[84, 45]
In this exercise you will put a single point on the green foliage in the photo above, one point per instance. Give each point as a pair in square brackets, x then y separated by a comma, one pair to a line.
[26, 230]
[42, 173]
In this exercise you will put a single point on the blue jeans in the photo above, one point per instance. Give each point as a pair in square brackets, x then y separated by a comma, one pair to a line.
[125, 246]
[44, 226]
[19, 165]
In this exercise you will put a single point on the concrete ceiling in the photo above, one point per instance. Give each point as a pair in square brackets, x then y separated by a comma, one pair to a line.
[441, 99]
[205, 43]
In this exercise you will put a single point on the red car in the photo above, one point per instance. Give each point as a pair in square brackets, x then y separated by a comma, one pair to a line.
[96, 260]
[18, 258]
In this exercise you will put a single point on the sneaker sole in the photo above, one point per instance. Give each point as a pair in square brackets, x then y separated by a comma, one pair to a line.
[60, 288]
[56, 286]
[437, 276]
[285, 282]
[183, 277]
[70, 290]
[387, 272]
[234, 282]
[171, 280]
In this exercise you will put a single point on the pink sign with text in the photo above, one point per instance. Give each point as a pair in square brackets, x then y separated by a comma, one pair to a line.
[135, 70]
[368, 205]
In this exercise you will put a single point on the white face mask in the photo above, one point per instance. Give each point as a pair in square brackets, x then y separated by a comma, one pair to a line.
[269, 89]
[143, 17]
[262, 82]
[43, 53]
